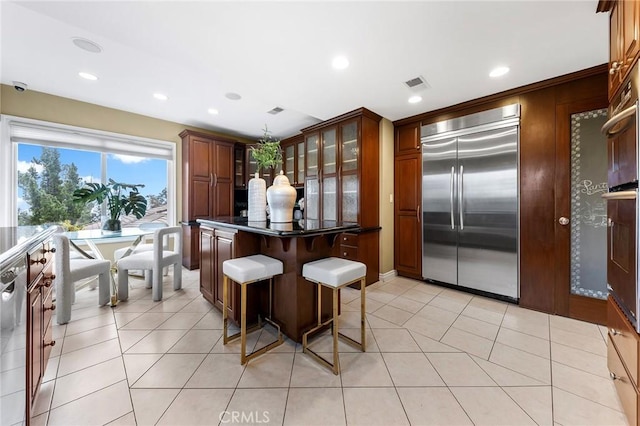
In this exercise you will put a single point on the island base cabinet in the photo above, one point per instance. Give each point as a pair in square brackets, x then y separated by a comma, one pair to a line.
[216, 246]
[363, 247]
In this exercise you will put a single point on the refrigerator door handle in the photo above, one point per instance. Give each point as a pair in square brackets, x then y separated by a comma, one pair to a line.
[461, 196]
[451, 196]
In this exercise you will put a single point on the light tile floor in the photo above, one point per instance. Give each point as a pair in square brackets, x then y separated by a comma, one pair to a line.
[435, 356]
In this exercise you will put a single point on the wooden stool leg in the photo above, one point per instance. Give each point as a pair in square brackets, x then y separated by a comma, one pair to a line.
[334, 325]
[362, 313]
[225, 295]
[243, 324]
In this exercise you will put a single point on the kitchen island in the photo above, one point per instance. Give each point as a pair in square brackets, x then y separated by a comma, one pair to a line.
[294, 299]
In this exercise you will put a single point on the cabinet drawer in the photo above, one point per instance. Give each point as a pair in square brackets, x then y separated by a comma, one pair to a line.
[349, 252]
[349, 239]
[624, 337]
[624, 387]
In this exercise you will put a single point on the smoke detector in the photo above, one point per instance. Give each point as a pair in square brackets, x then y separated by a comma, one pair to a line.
[276, 110]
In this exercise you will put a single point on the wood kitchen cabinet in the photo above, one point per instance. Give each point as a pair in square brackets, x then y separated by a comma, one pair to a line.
[293, 155]
[624, 35]
[622, 359]
[408, 201]
[40, 309]
[208, 179]
[342, 158]
[217, 246]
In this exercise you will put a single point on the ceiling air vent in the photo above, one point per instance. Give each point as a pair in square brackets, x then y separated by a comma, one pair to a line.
[417, 83]
[276, 110]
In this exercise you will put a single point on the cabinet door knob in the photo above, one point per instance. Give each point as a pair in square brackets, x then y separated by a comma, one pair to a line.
[40, 261]
[614, 376]
[51, 343]
[51, 308]
[615, 67]
[614, 332]
[46, 283]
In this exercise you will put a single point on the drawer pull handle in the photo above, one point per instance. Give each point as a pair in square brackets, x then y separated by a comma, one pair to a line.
[344, 254]
[614, 376]
[46, 283]
[344, 239]
[614, 332]
[41, 261]
[51, 250]
[51, 277]
[51, 343]
[51, 308]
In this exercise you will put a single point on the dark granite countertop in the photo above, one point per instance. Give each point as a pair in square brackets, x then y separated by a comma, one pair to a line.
[297, 228]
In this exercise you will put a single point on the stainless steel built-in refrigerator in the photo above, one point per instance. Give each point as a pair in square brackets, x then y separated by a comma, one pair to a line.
[470, 201]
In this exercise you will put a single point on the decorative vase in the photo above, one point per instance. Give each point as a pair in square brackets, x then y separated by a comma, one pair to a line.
[112, 225]
[281, 197]
[257, 199]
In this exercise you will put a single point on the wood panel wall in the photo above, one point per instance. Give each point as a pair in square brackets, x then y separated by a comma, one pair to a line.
[537, 169]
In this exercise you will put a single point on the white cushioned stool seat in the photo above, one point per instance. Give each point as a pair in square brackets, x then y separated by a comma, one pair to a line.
[334, 271]
[245, 271]
[251, 268]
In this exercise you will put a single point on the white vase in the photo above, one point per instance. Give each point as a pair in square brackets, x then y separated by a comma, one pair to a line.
[257, 199]
[281, 197]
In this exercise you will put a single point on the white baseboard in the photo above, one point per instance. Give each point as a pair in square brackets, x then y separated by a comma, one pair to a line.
[388, 276]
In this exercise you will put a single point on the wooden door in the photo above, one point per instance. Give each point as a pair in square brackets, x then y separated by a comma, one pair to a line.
[207, 265]
[616, 59]
[35, 367]
[580, 212]
[408, 223]
[222, 180]
[223, 250]
[408, 139]
[200, 164]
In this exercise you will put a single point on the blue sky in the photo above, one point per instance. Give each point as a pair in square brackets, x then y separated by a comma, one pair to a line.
[135, 170]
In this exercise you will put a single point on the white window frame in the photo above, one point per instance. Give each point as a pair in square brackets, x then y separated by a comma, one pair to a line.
[78, 138]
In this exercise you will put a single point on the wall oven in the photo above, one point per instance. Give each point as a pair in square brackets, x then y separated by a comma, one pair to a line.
[622, 200]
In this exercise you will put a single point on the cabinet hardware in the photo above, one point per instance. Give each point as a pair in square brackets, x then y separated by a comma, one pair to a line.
[51, 343]
[418, 213]
[210, 179]
[344, 254]
[52, 308]
[614, 332]
[51, 250]
[50, 277]
[563, 221]
[46, 283]
[40, 261]
[614, 376]
[615, 67]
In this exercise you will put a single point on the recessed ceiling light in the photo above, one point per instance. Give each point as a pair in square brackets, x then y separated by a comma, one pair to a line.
[498, 72]
[415, 99]
[88, 76]
[212, 111]
[233, 96]
[340, 62]
[160, 96]
[87, 45]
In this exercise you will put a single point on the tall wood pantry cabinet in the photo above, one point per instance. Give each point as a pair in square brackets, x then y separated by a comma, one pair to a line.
[408, 199]
[342, 162]
[207, 186]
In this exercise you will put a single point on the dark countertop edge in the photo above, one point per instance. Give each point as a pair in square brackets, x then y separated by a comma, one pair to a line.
[189, 223]
[276, 233]
[13, 254]
[364, 230]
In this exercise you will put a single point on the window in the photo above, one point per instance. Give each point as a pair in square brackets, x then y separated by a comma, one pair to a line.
[66, 157]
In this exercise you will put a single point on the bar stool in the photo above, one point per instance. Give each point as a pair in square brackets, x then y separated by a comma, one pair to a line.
[335, 273]
[248, 270]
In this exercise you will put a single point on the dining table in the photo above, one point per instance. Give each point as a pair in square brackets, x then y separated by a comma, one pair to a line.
[89, 237]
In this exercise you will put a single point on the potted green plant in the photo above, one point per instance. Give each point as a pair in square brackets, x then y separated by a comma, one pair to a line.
[121, 198]
[267, 151]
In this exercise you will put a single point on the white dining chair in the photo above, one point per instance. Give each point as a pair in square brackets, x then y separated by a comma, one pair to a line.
[69, 271]
[154, 261]
[142, 247]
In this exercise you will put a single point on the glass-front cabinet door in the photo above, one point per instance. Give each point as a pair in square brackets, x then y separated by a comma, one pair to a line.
[349, 156]
[300, 164]
[329, 175]
[238, 166]
[290, 162]
[312, 188]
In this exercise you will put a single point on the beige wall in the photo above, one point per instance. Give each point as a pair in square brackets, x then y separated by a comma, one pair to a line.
[386, 191]
[42, 106]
